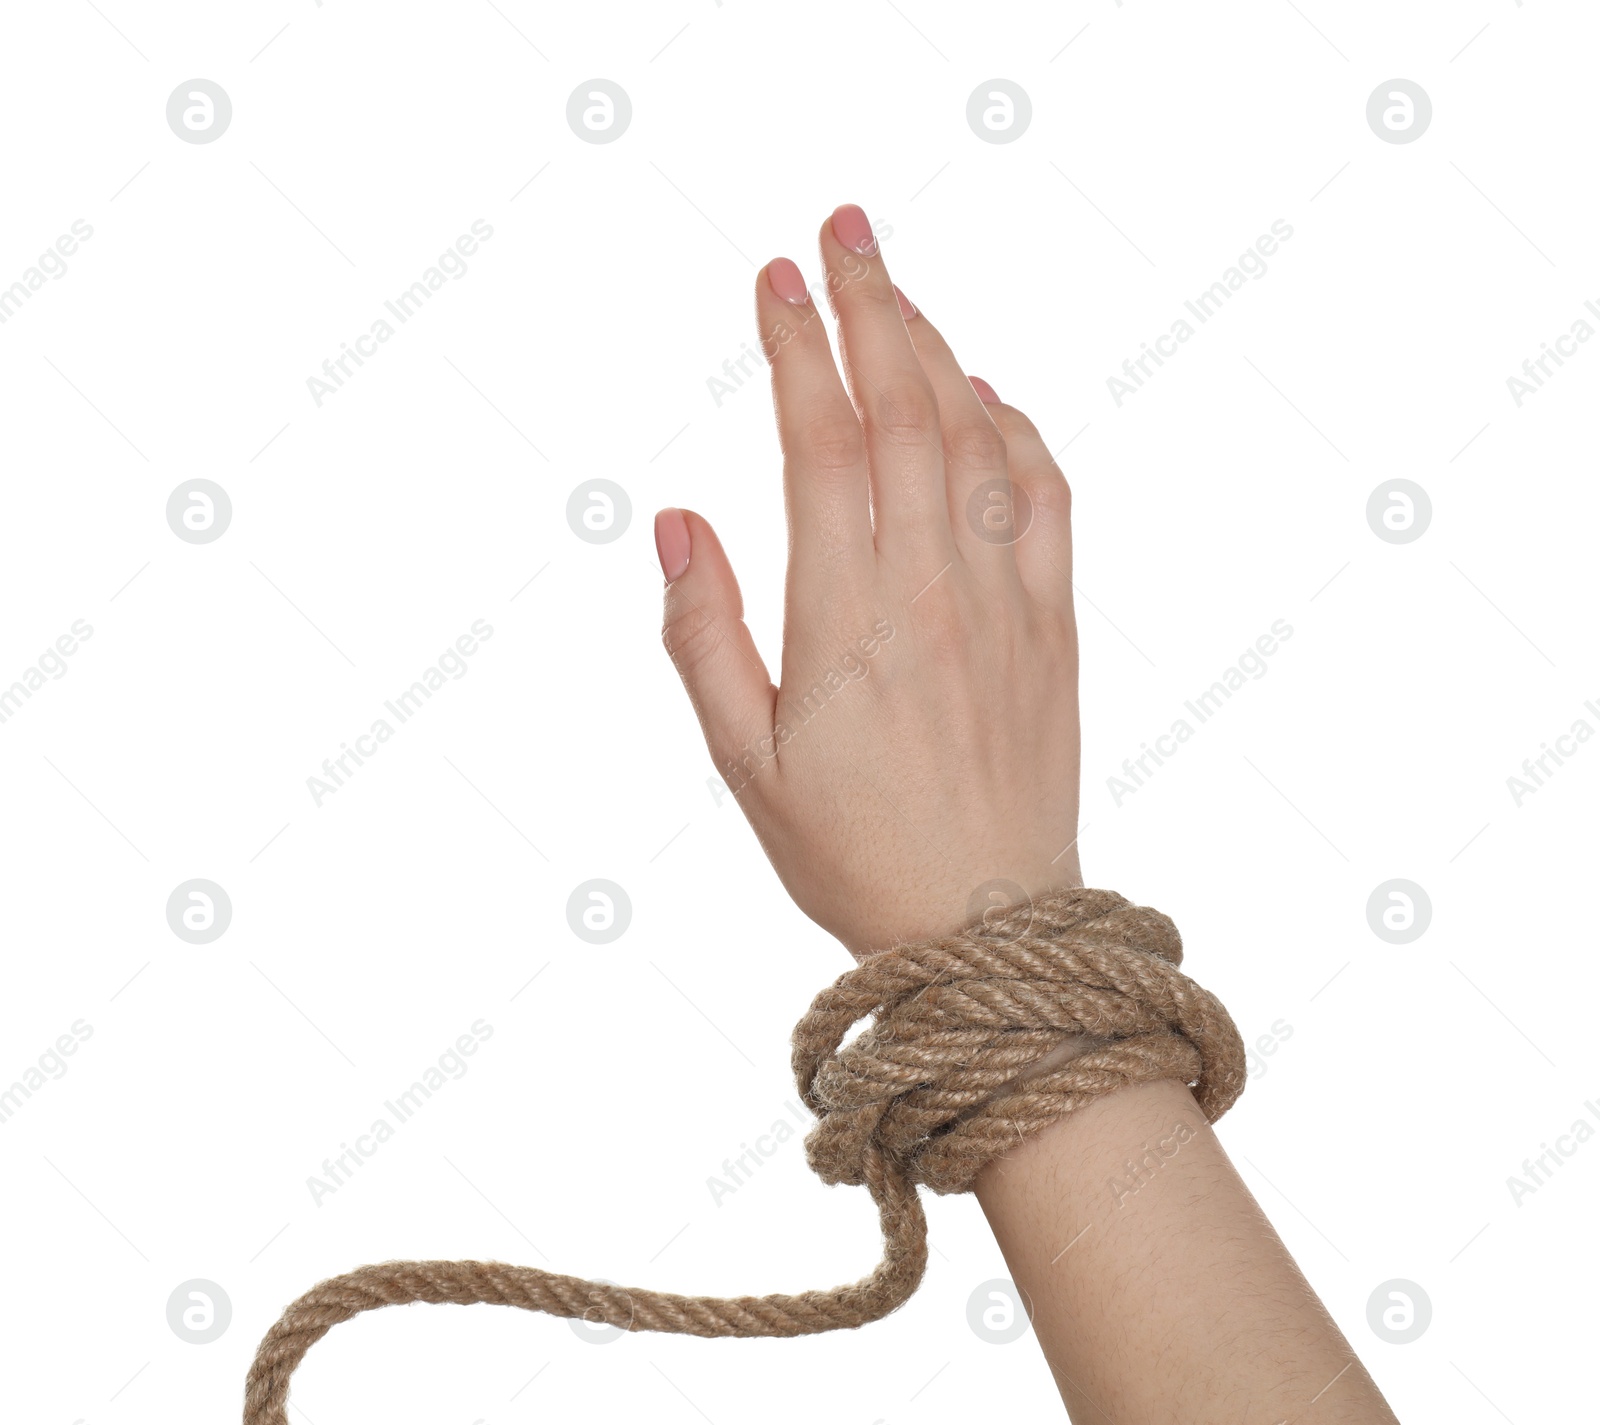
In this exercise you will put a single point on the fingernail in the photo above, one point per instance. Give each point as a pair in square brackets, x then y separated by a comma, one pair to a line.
[985, 391]
[786, 280]
[672, 543]
[851, 227]
[906, 309]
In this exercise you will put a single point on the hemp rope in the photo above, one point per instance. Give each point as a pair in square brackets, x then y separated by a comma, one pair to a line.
[932, 1092]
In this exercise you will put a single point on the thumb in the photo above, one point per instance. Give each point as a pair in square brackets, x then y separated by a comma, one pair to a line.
[703, 629]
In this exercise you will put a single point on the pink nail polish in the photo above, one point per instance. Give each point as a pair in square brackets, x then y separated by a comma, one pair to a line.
[851, 227]
[986, 392]
[906, 309]
[672, 543]
[786, 280]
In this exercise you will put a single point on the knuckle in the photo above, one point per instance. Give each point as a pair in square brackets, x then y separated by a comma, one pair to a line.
[906, 413]
[1056, 492]
[855, 288]
[800, 330]
[691, 638]
[831, 441]
[1014, 423]
[975, 443]
[1051, 495]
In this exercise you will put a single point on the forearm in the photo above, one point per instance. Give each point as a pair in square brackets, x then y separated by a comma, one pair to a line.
[1160, 1291]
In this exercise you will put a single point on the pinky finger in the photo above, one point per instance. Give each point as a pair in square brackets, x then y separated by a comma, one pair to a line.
[1044, 551]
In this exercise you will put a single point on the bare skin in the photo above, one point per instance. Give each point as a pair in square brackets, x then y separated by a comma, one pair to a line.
[922, 741]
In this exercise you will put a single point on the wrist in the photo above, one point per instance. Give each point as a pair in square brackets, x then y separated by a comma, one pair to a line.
[996, 897]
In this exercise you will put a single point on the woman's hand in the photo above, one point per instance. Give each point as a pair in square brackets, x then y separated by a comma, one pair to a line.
[923, 739]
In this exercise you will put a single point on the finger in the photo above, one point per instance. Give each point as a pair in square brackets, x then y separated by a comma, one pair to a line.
[983, 508]
[899, 412]
[824, 451]
[1044, 548]
[703, 629]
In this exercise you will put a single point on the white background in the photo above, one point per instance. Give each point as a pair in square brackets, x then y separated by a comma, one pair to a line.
[370, 532]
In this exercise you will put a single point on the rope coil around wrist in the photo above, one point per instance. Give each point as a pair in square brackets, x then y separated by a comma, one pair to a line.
[932, 1092]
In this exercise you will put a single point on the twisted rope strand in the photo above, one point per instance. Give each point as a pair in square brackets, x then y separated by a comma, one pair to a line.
[938, 1087]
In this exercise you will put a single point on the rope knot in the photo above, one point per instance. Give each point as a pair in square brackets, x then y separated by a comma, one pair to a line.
[980, 1039]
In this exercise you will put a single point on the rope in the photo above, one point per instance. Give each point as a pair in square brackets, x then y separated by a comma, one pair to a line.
[938, 1086]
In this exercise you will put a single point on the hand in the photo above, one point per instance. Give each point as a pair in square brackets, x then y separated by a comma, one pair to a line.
[923, 738]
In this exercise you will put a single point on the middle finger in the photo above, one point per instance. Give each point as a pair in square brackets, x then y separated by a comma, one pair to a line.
[899, 412]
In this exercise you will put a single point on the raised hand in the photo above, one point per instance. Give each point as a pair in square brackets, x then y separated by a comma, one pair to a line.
[922, 741]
